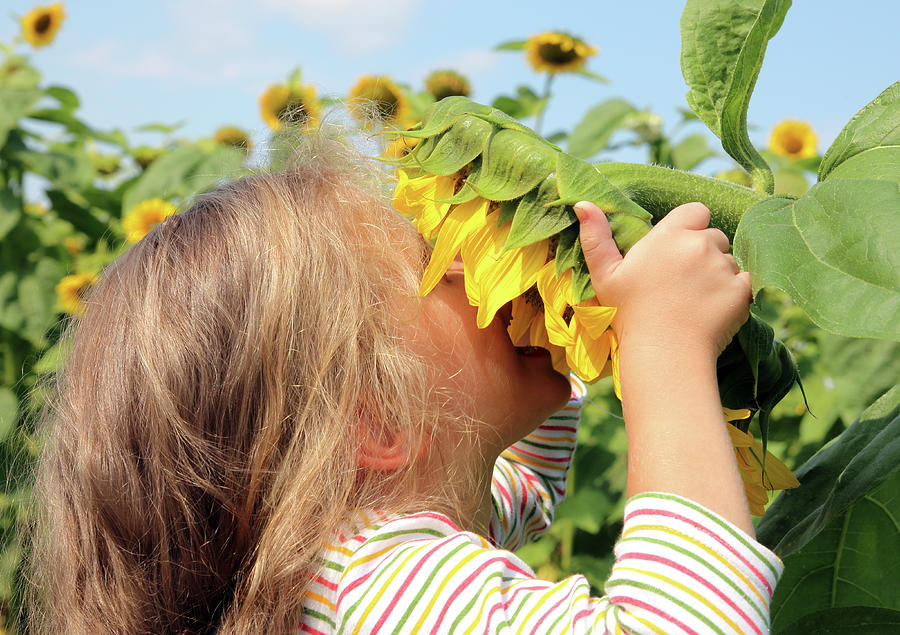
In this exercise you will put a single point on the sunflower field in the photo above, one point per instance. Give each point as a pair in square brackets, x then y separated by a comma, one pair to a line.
[810, 386]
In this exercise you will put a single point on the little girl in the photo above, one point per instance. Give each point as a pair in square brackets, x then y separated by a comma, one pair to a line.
[260, 427]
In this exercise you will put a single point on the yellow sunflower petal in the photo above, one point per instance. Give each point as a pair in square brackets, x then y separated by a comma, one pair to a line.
[614, 359]
[586, 355]
[421, 198]
[595, 319]
[736, 415]
[462, 220]
[556, 294]
[523, 314]
[499, 276]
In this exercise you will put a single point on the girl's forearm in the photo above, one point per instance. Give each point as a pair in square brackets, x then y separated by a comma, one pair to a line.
[677, 439]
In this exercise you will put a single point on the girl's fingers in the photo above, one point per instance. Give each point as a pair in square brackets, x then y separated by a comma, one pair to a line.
[718, 238]
[687, 216]
[600, 251]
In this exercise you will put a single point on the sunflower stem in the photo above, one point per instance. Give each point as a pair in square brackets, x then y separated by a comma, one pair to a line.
[539, 120]
[659, 189]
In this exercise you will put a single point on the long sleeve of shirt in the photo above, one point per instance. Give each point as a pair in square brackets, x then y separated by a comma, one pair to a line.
[529, 479]
[679, 567]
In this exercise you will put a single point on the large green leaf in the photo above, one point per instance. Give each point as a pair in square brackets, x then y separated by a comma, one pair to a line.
[852, 562]
[599, 123]
[183, 172]
[690, 151]
[723, 43]
[536, 219]
[834, 251]
[859, 620]
[860, 460]
[877, 125]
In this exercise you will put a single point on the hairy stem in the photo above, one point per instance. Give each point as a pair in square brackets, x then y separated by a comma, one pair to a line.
[658, 190]
[539, 120]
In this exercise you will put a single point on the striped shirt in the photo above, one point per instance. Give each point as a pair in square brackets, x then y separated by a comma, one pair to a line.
[679, 568]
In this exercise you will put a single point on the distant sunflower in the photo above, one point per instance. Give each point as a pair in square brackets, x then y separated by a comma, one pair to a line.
[39, 26]
[793, 139]
[234, 137]
[446, 84]
[289, 104]
[70, 292]
[145, 155]
[377, 98]
[144, 216]
[555, 52]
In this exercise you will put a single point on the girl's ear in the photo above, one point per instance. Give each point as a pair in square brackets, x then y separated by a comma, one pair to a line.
[385, 450]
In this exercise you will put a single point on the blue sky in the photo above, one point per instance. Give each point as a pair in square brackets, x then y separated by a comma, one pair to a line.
[206, 62]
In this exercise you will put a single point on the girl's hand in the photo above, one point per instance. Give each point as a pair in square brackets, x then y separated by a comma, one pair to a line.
[680, 300]
[677, 287]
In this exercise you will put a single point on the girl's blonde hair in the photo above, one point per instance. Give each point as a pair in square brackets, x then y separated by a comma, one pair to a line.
[202, 436]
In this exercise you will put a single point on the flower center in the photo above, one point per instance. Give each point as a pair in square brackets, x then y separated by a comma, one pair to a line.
[82, 290]
[293, 111]
[556, 54]
[42, 24]
[793, 144]
[385, 101]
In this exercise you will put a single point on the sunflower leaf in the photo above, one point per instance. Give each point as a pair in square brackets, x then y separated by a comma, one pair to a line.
[567, 249]
[596, 127]
[444, 114]
[507, 211]
[833, 251]
[723, 45]
[535, 221]
[456, 147]
[581, 280]
[876, 125]
[882, 164]
[512, 163]
[860, 459]
[511, 45]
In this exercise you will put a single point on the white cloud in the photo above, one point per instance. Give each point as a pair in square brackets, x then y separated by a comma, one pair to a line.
[359, 25]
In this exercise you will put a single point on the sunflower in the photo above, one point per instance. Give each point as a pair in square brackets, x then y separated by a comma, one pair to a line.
[555, 52]
[39, 26]
[293, 104]
[144, 216]
[376, 98]
[234, 137]
[758, 480]
[71, 290]
[145, 155]
[793, 139]
[446, 84]
[543, 305]
[73, 244]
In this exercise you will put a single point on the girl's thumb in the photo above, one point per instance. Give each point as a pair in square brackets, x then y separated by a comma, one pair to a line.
[600, 250]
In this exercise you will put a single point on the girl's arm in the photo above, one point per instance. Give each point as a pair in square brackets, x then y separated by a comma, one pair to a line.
[680, 300]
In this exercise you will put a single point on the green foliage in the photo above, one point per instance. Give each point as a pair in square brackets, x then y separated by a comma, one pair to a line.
[833, 252]
[722, 47]
[851, 562]
[859, 462]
